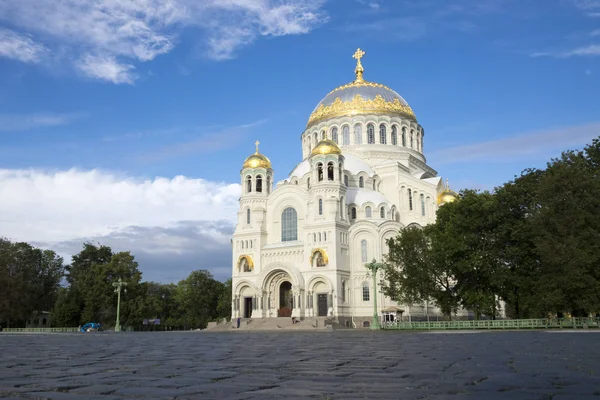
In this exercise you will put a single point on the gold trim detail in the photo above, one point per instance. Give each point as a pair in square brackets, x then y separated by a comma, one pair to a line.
[323, 253]
[359, 105]
[248, 259]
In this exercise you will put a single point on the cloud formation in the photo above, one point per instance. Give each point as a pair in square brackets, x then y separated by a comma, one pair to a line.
[169, 223]
[20, 122]
[20, 47]
[547, 143]
[105, 38]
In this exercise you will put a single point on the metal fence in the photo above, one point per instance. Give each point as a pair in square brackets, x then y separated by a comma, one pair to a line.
[539, 323]
[41, 330]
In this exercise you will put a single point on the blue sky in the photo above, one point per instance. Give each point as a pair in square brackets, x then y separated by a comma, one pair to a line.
[127, 122]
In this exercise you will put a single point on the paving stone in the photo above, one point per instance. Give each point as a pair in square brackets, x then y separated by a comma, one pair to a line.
[294, 365]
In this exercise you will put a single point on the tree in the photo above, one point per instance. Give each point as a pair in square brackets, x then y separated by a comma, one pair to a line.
[417, 271]
[198, 298]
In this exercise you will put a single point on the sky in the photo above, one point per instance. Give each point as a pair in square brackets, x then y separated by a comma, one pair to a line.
[126, 122]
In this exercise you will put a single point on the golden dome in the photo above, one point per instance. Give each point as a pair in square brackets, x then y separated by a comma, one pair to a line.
[257, 160]
[447, 196]
[360, 97]
[325, 147]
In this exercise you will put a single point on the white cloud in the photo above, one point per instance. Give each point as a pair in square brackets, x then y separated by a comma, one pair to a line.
[171, 223]
[19, 122]
[20, 47]
[591, 50]
[106, 68]
[120, 32]
[57, 206]
[595, 32]
[544, 144]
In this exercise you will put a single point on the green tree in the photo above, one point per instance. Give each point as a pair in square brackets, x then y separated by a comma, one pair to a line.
[198, 298]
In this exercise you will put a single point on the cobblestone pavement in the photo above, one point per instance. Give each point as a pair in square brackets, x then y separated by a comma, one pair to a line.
[323, 365]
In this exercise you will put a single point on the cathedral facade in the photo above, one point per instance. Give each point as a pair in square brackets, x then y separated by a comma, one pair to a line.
[300, 246]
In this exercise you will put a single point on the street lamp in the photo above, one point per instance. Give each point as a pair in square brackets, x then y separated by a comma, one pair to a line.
[374, 266]
[118, 285]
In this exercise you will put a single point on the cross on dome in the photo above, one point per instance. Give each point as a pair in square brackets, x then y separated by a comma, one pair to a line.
[257, 143]
[358, 54]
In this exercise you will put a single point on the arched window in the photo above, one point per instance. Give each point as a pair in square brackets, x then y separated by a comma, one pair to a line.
[247, 215]
[330, 171]
[366, 292]
[394, 135]
[319, 236]
[346, 134]
[344, 291]
[316, 138]
[419, 141]
[269, 184]
[357, 134]
[382, 134]
[346, 180]
[374, 184]
[322, 134]
[410, 199]
[382, 212]
[412, 133]
[368, 212]
[259, 184]
[361, 182]
[353, 213]
[334, 134]
[320, 171]
[363, 251]
[370, 134]
[248, 184]
[308, 183]
[320, 206]
[289, 225]
[404, 136]
[314, 237]
[422, 197]
[340, 170]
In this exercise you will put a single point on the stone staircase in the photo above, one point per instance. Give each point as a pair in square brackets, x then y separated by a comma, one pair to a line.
[278, 324]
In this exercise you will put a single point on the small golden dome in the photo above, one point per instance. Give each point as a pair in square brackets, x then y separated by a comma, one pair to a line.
[325, 147]
[257, 160]
[447, 196]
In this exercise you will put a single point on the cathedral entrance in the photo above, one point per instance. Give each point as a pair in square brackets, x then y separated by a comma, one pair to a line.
[322, 304]
[286, 300]
[247, 307]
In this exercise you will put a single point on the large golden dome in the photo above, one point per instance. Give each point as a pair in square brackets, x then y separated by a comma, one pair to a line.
[360, 97]
[325, 147]
[257, 160]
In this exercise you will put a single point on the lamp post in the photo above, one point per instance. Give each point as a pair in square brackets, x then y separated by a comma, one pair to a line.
[374, 266]
[118, 285]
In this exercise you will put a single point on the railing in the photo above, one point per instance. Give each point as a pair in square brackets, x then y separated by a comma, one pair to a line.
[539, 323]
[41, 330]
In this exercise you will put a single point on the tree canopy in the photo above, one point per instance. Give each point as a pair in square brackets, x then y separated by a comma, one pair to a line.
[533, 243]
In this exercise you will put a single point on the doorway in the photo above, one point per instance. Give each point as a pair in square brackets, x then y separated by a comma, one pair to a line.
[286, 299]
[322, 304]
[247, 307]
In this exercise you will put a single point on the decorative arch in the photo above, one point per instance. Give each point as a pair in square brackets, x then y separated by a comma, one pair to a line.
[245, 263]
[318, 258]
[318, 279]
[277, 267]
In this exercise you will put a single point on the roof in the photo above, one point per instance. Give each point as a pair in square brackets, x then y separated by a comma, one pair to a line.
[361, 196]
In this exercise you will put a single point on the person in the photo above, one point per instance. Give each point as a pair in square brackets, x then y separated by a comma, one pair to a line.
[239, 321]
[293, 320]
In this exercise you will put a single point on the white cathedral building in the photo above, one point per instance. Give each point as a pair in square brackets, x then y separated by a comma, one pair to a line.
[300, 246]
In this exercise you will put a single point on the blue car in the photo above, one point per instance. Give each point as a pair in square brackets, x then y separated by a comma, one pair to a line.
[90, 327]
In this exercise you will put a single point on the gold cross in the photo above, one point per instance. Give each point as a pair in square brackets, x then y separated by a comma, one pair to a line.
[257, 143]
[358, 54]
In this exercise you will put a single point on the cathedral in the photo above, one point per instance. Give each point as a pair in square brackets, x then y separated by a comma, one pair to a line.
[301, 245]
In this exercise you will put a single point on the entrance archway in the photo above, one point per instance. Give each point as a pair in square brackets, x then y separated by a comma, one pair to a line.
[286, 300]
